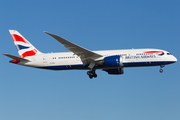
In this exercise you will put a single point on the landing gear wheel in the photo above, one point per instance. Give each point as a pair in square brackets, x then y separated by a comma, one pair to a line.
[161, 70]
[95, 75]
[90, 76]
[89, 73]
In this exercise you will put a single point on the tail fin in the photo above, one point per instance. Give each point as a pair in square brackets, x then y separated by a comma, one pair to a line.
[25, 48]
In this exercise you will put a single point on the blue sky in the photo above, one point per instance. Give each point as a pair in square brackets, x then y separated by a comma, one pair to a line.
[140, 94]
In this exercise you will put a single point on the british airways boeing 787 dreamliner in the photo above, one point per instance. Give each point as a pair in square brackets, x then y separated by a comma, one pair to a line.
[111, 61]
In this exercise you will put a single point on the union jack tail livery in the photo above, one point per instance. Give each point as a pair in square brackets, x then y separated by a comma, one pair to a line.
[24, 47]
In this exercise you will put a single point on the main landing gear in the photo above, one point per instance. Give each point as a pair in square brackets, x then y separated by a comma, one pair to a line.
[91, 74]
[161, 70]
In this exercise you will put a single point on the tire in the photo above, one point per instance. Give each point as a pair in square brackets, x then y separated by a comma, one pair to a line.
[161, 70]
[88, 72]
[95, 75]
[90, 76]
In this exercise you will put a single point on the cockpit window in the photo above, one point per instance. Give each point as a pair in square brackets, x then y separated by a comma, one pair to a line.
[169, 54]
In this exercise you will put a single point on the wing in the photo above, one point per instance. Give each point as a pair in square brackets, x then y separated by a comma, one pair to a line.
[86, 56]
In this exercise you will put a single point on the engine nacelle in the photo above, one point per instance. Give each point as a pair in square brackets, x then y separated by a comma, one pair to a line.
[117, 71]
[113, 61]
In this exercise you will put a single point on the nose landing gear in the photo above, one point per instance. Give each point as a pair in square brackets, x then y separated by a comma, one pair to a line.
[91, 74]
[161, 70]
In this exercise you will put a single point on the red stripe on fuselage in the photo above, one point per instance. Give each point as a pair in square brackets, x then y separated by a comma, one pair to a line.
[154, 52]
[18, 38]
[29, 53]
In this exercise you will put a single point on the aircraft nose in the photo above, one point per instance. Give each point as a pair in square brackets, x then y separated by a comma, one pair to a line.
[174, 59]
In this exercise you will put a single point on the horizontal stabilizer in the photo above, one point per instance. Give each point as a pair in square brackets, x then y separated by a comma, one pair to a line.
[16, 58]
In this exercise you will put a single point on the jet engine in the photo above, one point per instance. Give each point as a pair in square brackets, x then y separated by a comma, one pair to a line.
[113, 61]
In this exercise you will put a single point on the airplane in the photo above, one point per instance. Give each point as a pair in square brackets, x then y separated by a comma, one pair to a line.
[111, 61]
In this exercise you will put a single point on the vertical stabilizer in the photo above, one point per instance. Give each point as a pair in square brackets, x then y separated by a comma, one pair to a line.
[24, 47]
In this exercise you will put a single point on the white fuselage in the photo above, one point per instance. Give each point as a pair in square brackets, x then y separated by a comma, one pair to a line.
[130, 58]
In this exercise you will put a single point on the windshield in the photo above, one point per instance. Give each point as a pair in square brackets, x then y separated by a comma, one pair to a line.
[169, 54]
